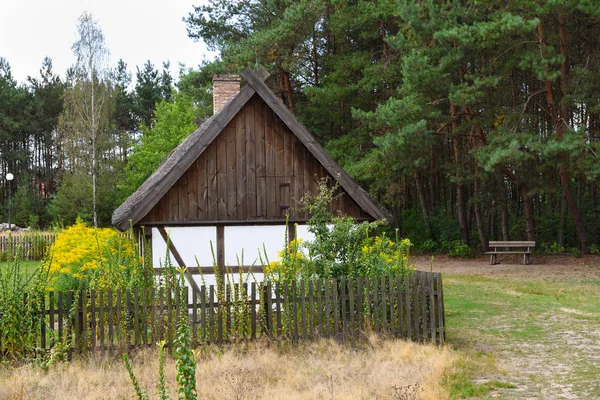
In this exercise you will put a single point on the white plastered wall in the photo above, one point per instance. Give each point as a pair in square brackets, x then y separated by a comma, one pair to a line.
[194, 246]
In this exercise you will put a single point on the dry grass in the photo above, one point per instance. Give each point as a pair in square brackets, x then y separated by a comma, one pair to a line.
[381, 369]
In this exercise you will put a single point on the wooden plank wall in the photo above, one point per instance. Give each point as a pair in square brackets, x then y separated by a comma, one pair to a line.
[409, 306]
[255, 169]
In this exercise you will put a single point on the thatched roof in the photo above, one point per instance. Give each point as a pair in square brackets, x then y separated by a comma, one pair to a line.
[179, 160]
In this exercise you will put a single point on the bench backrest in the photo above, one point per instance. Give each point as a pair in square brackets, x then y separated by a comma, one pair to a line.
[511, 244]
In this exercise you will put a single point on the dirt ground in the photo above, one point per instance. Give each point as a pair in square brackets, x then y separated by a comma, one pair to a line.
[561, 363]
[554, 267]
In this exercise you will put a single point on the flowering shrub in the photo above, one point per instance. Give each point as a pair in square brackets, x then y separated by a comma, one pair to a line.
[98, 258]
[341, 247]
[381, 256]
[291, 265]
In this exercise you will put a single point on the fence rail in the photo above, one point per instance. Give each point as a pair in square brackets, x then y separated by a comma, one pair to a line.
[28, 246]
[410, 306]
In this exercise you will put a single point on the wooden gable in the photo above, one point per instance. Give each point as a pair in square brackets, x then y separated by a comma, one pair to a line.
[255, 170]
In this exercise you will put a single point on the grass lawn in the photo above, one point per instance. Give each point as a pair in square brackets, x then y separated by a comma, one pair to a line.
[27, 267]
[524, 338]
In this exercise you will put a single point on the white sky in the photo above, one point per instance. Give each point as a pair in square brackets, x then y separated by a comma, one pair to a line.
[134, 30]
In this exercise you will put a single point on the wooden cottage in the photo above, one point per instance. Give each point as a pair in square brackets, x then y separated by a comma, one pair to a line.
[235, 178]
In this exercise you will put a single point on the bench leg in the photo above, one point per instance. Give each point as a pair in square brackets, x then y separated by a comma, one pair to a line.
[492, 259]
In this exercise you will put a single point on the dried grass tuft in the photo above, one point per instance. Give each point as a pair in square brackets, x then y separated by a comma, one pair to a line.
[381, 368]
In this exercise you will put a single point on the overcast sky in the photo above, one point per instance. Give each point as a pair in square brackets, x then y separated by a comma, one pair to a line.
[134, 30]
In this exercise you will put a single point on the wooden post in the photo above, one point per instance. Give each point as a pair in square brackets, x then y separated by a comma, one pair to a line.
[221, 250]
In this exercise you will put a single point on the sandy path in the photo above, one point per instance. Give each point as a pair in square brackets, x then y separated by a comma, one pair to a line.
[545, 267]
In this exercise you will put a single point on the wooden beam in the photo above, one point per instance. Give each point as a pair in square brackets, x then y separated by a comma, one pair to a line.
[221, 249]
[252, 222]
[178, 258]
[211, 270]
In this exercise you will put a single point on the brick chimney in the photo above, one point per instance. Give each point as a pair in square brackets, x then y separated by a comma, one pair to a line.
[225, 88]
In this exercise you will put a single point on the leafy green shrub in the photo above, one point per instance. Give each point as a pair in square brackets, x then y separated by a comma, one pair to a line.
[341, 247]
[428, 246]
[459, 249]
[553, 248]
[593, 249]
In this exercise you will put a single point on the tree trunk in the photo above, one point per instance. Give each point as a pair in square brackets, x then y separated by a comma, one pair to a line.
[559, 124]
[505, 226]
[479, 219]
[528, 207]
[423, 202]
[563, 221]
[460, 191]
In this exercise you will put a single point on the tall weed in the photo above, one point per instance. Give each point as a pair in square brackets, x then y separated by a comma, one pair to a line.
[21, 299]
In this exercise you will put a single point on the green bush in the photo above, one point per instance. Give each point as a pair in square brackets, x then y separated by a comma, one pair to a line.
[459, 249]
[341, 247]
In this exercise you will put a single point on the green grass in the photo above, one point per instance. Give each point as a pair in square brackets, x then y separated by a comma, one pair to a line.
[27, 267]
[523, 338]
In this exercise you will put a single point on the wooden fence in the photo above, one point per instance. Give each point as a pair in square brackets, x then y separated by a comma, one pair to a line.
[30, 246]
[410, 306]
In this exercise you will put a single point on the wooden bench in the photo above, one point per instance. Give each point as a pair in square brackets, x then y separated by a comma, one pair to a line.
[524, 248]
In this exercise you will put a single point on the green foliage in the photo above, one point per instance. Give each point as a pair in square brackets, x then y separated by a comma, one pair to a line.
[139, 391]
[174, 121]
[161, 386]
[185, 360]
[20, 318]
[460, 250]
[341, 247]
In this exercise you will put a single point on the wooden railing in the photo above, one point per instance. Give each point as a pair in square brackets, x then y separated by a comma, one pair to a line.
[408, 306]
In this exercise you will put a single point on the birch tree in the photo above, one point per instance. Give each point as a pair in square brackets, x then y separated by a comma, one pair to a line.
[86, 115]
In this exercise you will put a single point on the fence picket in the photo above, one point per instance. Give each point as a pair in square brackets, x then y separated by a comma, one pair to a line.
[101, 318]
[253, 309]
[311, 310]
[145, 316]
[384, 309]
[440, 308]
[111, 321]
[344, 311]
[415, 305]
[83, 302]
[60, 315]
[52, 327]
[303, 309]
[119, 323]
[128, 312]
[424, 322]
[319, 309]
[391, 304]
[432, 321]
[351, 305]
[194, 316]
[399, 326]
[211, 314]
[327, 310]
[409, 306]
[359, 304]
[335, 308]
[294, 298]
